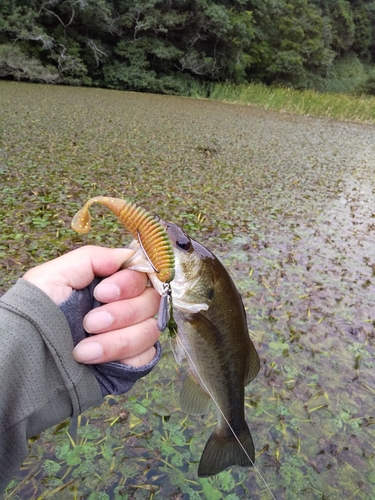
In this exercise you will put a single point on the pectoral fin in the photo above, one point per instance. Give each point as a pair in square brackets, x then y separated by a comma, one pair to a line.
[194, 400]
[253, 366]
[177, 349]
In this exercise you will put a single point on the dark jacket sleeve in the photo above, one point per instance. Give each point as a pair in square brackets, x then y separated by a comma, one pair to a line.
[40, 382]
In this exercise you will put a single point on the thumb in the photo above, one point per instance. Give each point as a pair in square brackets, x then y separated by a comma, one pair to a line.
[76, 269]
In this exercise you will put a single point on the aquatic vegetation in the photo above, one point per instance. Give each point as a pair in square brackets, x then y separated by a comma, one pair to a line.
[288, 204]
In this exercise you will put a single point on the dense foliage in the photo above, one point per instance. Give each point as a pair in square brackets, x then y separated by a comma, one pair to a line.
[163, 46]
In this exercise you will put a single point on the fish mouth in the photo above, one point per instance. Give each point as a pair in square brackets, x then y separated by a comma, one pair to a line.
[165, 223]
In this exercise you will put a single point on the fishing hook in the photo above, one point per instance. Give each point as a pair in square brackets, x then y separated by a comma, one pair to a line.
[144, 251]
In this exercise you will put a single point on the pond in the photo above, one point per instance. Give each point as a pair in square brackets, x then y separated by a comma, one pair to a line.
[288, 204]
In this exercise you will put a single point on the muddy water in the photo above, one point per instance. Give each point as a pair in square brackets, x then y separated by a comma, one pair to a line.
[288, 204]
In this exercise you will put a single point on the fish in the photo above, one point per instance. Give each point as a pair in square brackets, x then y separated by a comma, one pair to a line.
[211, 332]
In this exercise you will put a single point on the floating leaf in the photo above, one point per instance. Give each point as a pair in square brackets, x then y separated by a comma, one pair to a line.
[51, 467]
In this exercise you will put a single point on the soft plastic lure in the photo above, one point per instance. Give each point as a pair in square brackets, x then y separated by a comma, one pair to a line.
[145, 228]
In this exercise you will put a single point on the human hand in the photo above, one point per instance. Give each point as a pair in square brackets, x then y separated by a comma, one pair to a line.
[124, 327]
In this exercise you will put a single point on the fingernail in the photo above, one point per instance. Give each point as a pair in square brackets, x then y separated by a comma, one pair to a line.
[106, 292]
[97, 321]
[88, 352]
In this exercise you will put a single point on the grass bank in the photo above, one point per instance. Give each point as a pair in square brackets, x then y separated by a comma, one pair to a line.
[302, 102]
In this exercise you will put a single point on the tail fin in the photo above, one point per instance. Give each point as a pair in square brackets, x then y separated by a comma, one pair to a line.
[222, 450]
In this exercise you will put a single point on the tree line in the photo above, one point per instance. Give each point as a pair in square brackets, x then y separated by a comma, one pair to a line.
[166, 45]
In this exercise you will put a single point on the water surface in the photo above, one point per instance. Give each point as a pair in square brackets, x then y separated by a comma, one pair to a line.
[288, 204]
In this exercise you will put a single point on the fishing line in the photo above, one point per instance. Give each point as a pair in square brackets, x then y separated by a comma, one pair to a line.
[230, 427]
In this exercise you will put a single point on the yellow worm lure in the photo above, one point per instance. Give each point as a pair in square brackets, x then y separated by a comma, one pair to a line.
[145, 228]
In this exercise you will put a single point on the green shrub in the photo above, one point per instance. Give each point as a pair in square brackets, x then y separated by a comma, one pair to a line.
[346, 74]
[368, 86]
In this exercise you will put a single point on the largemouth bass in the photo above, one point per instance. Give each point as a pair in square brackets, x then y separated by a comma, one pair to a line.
[212, 332]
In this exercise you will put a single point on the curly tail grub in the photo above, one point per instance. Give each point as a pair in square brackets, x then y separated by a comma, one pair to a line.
[141, 224]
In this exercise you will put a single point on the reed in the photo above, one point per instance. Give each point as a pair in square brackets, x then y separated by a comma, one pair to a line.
[284, 99]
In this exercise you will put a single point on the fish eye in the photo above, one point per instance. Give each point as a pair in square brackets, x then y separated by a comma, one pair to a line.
[180, 239]
[184, 244]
